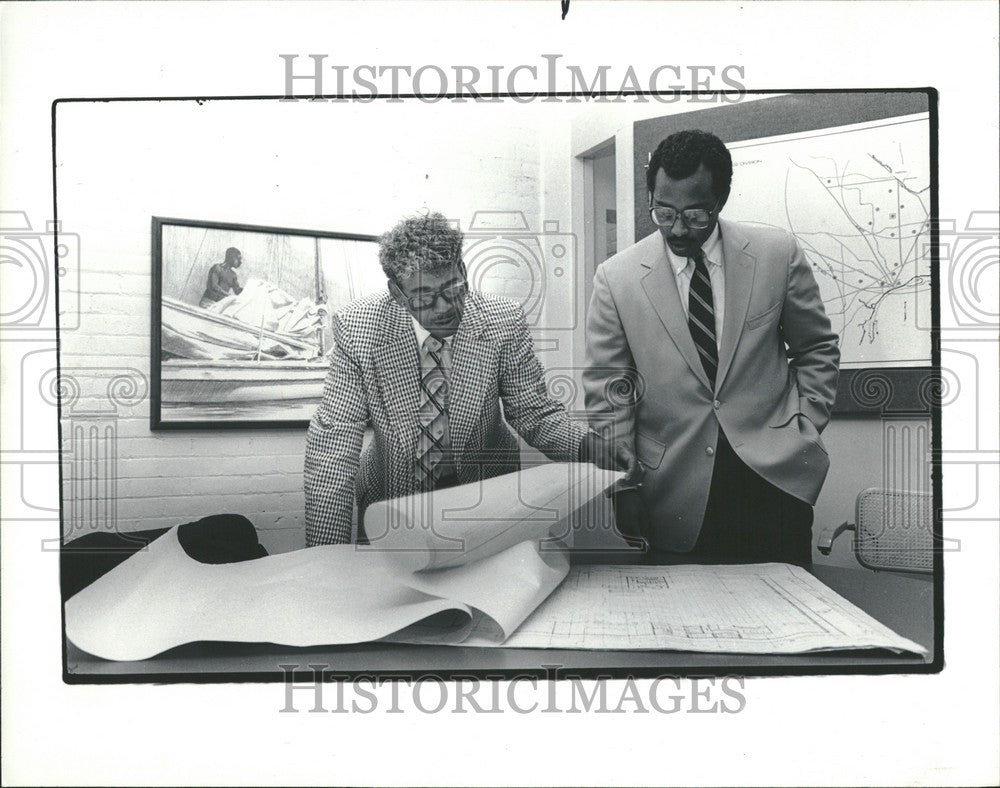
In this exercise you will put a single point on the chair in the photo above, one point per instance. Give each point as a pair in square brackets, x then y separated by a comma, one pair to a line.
[892, 530]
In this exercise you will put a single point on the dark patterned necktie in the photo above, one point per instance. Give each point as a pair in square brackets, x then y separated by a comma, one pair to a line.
[432, 416]
[701, 316]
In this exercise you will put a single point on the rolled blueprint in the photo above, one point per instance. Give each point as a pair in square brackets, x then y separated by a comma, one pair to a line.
[460, 525]
[508, 564]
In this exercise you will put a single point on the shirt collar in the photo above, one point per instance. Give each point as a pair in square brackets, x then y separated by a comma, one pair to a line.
[422, 333]
[711, 248]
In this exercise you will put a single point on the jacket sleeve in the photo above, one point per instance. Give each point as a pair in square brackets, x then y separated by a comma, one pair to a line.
[813, 347]
[610, 380]
[333, 447]
[538, 418]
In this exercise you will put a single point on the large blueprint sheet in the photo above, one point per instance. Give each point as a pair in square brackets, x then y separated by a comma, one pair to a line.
[753, 608]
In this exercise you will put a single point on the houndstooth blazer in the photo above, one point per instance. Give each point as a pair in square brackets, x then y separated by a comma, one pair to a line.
[373, 381]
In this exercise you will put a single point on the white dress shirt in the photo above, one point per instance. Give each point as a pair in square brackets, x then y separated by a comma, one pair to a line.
[684, 270]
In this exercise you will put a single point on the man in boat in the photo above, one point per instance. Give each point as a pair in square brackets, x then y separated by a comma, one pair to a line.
[222, 279]
[426, 365]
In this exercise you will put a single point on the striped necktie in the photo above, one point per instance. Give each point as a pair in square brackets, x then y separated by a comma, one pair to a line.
[701, 316]
[432, 416]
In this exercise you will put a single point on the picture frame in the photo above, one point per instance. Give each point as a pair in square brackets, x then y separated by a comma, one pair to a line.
[240, 322]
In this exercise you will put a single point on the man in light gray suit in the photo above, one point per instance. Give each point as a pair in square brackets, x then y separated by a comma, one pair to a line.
[720, 331]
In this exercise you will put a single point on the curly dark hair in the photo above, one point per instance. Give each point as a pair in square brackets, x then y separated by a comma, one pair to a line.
[680, 154]
[425, 243]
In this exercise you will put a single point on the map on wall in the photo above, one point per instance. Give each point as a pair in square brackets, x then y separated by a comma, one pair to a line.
[858, 199]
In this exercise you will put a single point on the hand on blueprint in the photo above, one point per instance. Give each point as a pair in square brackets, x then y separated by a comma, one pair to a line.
[612, 456]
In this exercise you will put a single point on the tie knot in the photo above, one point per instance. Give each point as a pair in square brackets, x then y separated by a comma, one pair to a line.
[698, 256]
[433, 344]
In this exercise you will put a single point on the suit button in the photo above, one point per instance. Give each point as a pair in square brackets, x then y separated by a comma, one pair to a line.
[709, 451]
[717, 404]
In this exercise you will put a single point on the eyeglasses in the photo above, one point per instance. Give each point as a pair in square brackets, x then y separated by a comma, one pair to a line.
[424, 301]
[693, 218]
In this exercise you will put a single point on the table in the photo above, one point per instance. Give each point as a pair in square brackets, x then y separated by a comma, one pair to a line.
[903, 602]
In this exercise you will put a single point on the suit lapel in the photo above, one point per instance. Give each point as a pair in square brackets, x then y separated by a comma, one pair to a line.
[473, 359]
[397, 363]
[660, 286]
[740, 266]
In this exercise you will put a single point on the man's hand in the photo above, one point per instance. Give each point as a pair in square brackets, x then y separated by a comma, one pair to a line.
[611, 456]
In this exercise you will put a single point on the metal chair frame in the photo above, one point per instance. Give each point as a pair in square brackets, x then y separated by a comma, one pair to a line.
[892, 531]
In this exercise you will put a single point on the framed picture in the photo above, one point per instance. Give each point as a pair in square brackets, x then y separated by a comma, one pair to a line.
[241, 320]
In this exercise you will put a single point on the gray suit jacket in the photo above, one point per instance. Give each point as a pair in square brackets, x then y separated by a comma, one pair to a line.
[374, 381]
[777, 377]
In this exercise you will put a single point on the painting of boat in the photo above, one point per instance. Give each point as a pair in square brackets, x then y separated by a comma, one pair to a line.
[192, 332]
[259, 354]
[218, 366]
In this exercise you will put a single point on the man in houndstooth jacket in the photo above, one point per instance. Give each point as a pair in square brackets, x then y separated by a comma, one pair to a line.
[375, 381]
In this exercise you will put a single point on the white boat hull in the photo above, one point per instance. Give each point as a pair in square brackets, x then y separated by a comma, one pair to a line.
[191, 332]
[198, 382]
